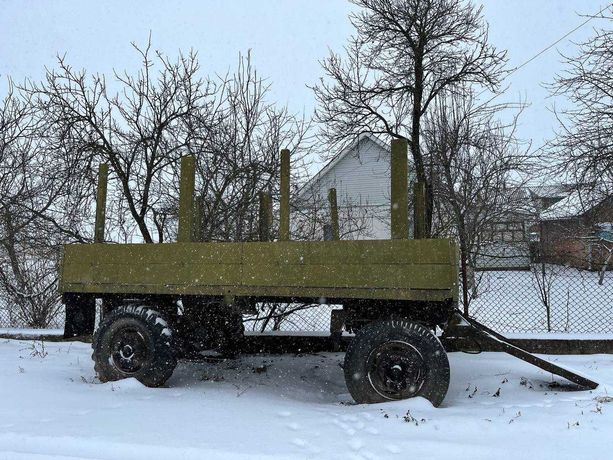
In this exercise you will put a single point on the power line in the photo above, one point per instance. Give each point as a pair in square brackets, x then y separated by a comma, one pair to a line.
[544, 50]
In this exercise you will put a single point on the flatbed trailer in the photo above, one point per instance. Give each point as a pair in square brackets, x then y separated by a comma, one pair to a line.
[161, 302]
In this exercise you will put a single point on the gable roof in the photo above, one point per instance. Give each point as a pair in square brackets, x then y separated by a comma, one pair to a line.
[551, 191]
[575, 204]
[329, 166]
[529, 192]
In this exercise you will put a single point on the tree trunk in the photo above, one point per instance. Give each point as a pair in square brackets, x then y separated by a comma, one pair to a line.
[464, 273]
[420, 168]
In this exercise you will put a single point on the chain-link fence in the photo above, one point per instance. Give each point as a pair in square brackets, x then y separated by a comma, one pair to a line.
[558, 283]
[7, 318]
[12, 317]
[537, 297]
[543, 298]
[290, 318]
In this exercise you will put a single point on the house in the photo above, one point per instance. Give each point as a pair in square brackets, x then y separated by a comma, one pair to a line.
[577, 230]
[360, 173]
[511, 243]
[525, 205]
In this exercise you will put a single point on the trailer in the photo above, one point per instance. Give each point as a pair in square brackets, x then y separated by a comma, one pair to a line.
[162, 302]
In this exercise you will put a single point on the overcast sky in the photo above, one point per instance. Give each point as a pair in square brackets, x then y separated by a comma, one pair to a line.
[287, 39]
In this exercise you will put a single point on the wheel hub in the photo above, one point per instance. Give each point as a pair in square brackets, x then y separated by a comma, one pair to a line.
[396, 370]
[129, 350]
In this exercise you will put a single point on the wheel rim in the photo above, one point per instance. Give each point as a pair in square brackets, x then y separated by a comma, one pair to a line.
[129, 350]
[396, 370]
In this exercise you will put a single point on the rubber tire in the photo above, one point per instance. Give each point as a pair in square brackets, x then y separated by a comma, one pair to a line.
[374, 334]
[162, 359]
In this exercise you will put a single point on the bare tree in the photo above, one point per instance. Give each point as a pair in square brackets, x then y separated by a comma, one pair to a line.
[404, 54]
[237, 150]
[15, 154]
[544, 277]
[584, 141]
[38, 211]
[477, 164]
[141, 130]
[156, 117]
[583, 145]
[54, 133]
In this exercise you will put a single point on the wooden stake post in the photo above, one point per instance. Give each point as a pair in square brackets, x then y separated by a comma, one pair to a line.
[333, 213]
[103, 175]
[284, 211]
[419, 210]
[265, 216]
[399, 190]
[186, 199]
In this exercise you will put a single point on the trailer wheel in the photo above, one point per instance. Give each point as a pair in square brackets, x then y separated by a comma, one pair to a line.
[396, 359]
[134, 341]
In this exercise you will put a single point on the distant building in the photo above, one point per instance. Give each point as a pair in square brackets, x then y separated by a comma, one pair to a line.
[511, 242]
[578, 230]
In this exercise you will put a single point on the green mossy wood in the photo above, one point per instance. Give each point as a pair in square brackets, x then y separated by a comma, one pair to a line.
[103, 175]
[378, 269]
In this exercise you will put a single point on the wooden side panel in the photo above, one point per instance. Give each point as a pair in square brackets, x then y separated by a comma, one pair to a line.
[346, 264]
[158, 265]
[347, 252]
[403, 269]
[138, 254]
[349, 276]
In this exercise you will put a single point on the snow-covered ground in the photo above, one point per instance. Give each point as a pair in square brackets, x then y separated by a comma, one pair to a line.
[294, 407]
[28, 332]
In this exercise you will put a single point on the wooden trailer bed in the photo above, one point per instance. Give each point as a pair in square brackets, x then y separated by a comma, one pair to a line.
[414, 270]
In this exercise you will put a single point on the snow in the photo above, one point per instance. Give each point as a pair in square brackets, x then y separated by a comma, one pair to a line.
[293, 407]
[29, 332]
[575, 204]
[559, 336]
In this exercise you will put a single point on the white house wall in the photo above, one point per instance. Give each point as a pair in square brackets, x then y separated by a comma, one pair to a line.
[360, 177]
[362, 182]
